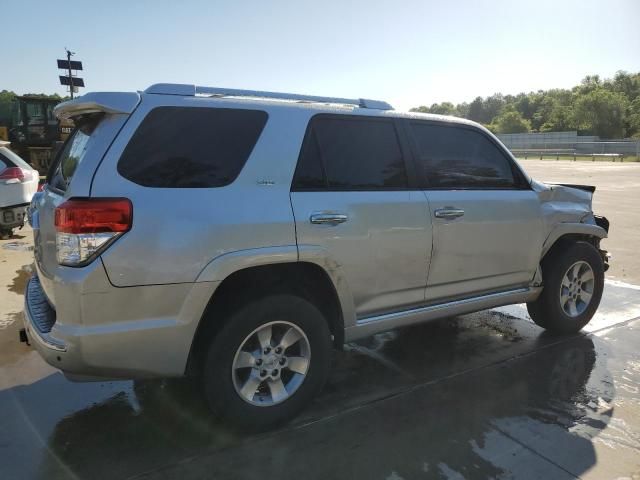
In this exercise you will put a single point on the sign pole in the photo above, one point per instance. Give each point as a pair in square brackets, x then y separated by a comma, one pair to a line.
[68, 66]
[70, 77]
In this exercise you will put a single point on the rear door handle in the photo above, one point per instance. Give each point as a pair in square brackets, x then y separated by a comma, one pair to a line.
[449, 213]
[328, 218]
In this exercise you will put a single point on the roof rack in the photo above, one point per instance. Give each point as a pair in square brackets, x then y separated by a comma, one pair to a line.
[193, 90]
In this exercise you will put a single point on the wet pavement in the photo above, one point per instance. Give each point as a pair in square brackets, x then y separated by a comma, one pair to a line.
[487, 395]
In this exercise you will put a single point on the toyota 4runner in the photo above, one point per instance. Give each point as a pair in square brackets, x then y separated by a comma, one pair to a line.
[239, 235]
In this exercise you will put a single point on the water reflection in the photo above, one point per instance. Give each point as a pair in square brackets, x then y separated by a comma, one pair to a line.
[438, 421]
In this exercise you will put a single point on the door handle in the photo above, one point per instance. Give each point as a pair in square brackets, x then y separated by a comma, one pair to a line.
[328, 218]
[449, 213]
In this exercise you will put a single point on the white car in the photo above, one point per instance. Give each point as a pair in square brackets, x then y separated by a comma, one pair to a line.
[18, 183]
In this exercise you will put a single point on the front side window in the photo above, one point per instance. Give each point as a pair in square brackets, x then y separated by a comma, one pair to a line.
[452, 156]
[183, 147]
[350, 154]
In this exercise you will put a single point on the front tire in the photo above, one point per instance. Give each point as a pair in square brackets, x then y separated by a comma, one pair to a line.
[268, 362]
[573, 279]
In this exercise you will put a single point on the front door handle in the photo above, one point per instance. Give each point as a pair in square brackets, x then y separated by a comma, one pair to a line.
[449, 213]
[328, 218]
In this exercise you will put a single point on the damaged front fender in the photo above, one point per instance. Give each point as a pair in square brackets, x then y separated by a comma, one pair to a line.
[567, 210]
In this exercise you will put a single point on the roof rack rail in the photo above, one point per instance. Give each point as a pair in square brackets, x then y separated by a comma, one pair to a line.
[193, 90]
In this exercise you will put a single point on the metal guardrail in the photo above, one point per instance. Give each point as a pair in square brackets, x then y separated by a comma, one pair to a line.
[564, 153]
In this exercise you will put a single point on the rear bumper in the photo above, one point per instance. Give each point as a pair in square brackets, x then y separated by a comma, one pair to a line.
[13, 216]
[136, 332]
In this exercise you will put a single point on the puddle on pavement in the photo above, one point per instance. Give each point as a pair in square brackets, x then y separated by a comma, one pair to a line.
[20, 246]
[19, 283]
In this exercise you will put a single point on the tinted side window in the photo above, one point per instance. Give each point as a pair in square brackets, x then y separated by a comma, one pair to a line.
[181, 147]
[351, 154]
[459, 157]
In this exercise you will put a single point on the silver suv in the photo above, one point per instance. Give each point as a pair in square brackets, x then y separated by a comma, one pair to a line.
[240, 235]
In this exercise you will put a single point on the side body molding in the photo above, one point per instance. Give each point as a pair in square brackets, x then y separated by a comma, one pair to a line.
[224, 265]
[568, 228]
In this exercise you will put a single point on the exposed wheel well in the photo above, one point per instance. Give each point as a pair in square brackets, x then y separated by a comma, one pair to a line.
[304, 279]
[570, 238]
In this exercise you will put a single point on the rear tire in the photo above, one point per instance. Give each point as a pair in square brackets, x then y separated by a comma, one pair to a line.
[573, 279]
[268, 362]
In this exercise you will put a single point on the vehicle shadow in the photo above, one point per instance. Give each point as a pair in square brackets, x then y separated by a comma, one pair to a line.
[433, 417]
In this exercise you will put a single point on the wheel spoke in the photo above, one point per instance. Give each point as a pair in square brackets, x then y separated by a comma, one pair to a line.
[566, 281]
[573, 311]
[563, 299]
[290, 337]
[576, 271]
[587, 276]
[248, 390]
[245, 360]
[278, 392]
[585, 297]
[264, 336]
[298, 364]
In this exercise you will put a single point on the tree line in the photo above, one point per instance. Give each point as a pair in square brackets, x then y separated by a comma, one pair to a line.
[6, 103]
[609, 108]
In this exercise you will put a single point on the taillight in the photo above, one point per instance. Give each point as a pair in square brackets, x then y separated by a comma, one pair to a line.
[15, 175]
[86, 227]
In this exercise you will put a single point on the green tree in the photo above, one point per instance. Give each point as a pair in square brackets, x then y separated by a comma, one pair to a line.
[633, 119]
[492, 106]
[625, 83]
[601, 112]
[561, 119]
[463, 110]
[6, 100]
[510, 120]
[444, 108]
[588, 84]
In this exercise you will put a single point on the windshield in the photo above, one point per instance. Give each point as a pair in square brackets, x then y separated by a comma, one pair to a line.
[72, 153]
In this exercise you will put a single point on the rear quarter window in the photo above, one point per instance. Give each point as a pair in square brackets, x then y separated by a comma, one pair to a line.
[72, 153]
[190, 147]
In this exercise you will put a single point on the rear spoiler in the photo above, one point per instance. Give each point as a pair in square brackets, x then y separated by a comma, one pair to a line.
[586, 188]
[98, 102]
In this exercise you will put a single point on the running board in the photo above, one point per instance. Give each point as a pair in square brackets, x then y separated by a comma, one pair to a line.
[370, 325]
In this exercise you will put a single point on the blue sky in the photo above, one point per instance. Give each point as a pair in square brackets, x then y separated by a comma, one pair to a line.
[406, 52]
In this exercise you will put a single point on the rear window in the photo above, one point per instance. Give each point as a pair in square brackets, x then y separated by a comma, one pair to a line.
[73, 152]
[182, 147]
